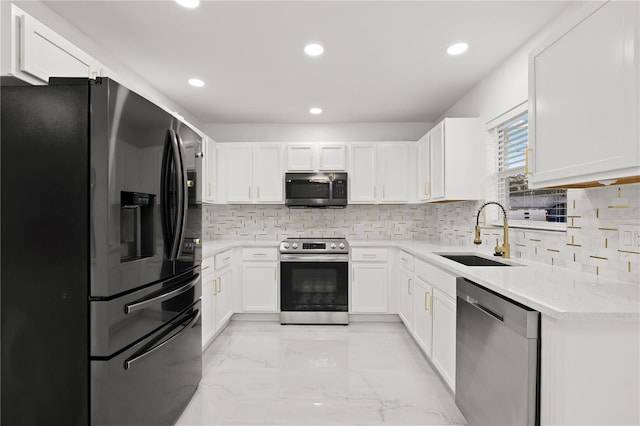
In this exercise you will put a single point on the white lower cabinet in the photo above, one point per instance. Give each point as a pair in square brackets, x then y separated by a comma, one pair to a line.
[369, 287]
[423, 315]
[428, 309]
[217, 294]
[406, 298]
[223, 296]
[260, 280]
[208, 306]
[444, 336]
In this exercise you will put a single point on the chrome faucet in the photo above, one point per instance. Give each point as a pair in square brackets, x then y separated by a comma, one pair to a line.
[505, 249]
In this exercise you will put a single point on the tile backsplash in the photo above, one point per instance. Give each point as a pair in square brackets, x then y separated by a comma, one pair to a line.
[590, 244]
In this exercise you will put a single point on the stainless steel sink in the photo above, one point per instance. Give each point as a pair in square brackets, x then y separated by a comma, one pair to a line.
[473, 260]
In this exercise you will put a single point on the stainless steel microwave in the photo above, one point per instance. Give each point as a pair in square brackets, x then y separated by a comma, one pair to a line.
[316, 190]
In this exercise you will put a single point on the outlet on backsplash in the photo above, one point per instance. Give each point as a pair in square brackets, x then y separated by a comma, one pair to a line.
[629, 237]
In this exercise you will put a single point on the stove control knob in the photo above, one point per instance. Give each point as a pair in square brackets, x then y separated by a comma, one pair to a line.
[333, 245]
[285, 245]
[341, 245]
[294, 245]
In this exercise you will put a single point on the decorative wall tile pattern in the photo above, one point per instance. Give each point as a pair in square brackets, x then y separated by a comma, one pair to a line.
[590, 243]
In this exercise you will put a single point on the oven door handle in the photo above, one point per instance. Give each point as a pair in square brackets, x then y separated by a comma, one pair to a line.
[314, 258]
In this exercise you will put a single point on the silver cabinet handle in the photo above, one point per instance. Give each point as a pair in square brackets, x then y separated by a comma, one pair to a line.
[140, 304]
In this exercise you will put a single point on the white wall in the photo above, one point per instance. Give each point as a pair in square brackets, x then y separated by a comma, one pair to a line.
[507, 85]
[119, 70]
[328, 132]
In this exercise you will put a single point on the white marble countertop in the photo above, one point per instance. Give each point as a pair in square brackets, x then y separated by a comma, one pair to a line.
[554, 291]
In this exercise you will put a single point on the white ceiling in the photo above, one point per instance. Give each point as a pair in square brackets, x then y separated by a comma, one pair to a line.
[384, 61]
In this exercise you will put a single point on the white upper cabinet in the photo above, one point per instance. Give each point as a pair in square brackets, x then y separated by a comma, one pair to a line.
[300, 158]
[437, 161]
[237, 166]
[332, 157]
[395, 172]
[209, 188]
[381, 173]
[584, 91]
[451, 161]
[268, 179]
[316, 157]
[37, 52]
[424, 169]
[251, 173]
[362, 174]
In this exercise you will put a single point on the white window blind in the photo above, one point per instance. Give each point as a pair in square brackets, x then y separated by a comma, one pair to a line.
[539, 208]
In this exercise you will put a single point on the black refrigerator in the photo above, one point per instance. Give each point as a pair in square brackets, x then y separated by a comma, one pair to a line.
[100, 271]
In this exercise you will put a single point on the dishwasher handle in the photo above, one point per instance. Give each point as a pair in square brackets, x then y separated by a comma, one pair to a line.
[473, 302]
[520, 318]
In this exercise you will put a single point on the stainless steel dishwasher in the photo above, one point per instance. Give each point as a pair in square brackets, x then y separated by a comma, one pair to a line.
[497, 358]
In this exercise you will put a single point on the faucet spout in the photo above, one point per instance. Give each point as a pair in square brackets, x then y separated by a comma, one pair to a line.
[503, 250]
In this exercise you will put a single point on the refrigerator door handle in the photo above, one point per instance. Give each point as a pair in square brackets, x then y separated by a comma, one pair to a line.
[136, 305]
[168, 221]
[181, 195]
[183, 202]
[128, 363]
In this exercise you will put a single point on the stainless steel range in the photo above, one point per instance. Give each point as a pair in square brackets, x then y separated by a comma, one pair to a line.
[314, 281]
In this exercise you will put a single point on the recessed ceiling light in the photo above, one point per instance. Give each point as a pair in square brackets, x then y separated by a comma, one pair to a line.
[457, 48]
[191, 4]
[196, 82]
[315, 111]
[313, 49]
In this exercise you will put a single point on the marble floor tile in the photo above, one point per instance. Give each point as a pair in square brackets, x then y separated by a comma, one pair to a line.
[264, 373]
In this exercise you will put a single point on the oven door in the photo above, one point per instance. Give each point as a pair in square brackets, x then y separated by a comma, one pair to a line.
[314, 284]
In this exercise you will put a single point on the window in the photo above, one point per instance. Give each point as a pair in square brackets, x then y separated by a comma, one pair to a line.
[531, 208]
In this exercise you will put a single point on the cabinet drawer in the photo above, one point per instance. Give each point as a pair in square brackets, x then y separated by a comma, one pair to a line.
[223, 259]
[207, 266]
[260, 253]
[437, 277]
[406, 260]
[368, 254]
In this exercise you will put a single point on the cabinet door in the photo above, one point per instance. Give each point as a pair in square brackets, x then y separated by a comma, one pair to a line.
[424, 168]
[395, 173]
[444, 336]
[223, 297]
[362, 177]
[208, 307]
[259, 287]
[584, 94]
[332, 157]
[210, 170]
[300, 158]
[268, 179]
[436, 161]
[369, 288]
[422, 315]
[406, 298]
[44, 53]
[238, 176]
